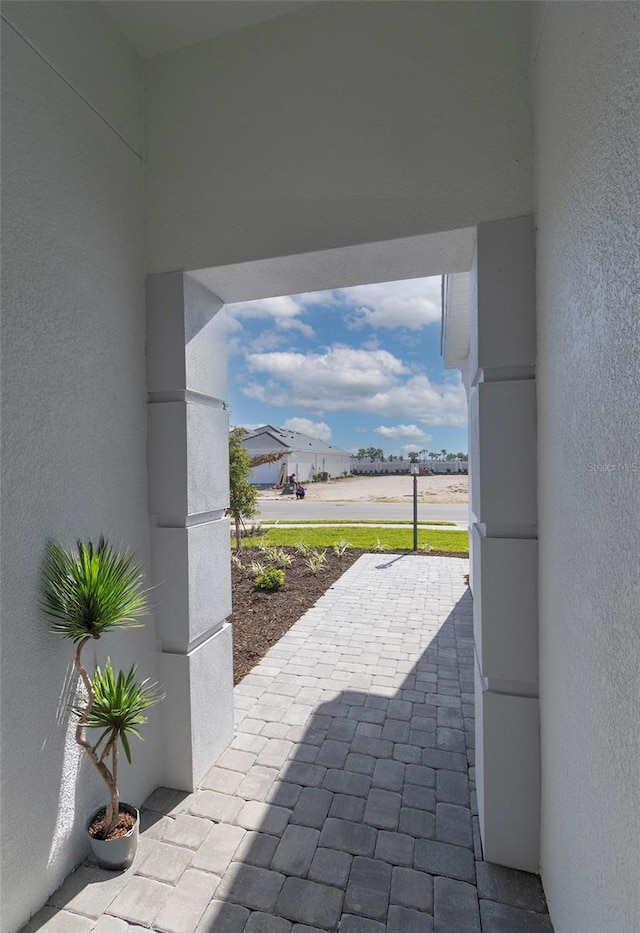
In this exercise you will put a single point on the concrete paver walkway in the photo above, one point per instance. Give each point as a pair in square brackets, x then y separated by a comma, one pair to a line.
[346, 799]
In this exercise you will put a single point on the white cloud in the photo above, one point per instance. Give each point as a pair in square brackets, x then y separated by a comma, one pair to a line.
[412, 303]
[345, 379]
[409, 432]
[294, 324]
[283, 307]
[284, 312]
[327, 378]
[318, 429]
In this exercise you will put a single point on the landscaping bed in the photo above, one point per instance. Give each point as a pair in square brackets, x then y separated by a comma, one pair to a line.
[260, 618]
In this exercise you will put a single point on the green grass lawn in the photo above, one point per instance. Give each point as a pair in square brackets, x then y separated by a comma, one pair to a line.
[347, 521]
[394, 539]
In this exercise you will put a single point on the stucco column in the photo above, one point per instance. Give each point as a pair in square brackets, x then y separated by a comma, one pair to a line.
[502, 402]
[188, 495]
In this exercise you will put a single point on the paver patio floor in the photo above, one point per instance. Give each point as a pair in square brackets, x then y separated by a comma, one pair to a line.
[345, 801]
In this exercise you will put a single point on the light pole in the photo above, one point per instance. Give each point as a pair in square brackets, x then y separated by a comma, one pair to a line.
[415, 470]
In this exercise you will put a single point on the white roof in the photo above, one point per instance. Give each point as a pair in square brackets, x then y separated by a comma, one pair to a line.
[293, 440]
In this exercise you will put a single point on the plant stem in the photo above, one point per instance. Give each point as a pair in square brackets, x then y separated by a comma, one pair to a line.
[111, 815]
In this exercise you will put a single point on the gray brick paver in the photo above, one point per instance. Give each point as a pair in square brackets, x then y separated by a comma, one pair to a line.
[383, 809]
[500, 918]
[347, 836]
[419, 798]
[265, 817]
[214, 806]
[452, 787]
[418, 823]
[330, 867]
[453, 824]
[88, 890]
[140, 900]
[218, 849]
[403, 920]
[308, 775]
[251, 887]
[347, 782]
[54, 921]
[296, 850]
[165, 862]
[256, 849]
[310, 902]
[368, 889]
[354, 924]
[108, 924]
[333, 753]
[275, 753]
[223, 917]
[508, 886]
[345, 807]
[312, 807]
[186, 904]
[266, 923]
[456, 907]
[222, 779]
[395, 848]
[284, 794]
[413, 889]
[256, 783]
[389, 774]
[188, 831]
[441, 858]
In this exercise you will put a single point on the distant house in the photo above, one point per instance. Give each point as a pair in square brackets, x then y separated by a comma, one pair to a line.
[304, 455]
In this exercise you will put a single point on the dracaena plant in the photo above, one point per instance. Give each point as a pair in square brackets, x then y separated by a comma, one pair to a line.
[87, 593]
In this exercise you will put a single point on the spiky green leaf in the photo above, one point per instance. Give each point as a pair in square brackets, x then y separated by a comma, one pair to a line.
[120, 704]
[91, 590]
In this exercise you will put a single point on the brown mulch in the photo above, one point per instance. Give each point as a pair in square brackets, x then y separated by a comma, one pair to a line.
[261, 618]
[125, 823]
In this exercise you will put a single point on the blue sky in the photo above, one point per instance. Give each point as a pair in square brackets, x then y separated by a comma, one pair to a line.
[358, 367]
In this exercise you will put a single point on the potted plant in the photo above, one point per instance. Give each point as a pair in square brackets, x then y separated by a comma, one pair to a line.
[87, 593]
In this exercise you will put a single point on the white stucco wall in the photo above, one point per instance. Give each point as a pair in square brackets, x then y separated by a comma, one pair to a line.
[588, 176]
[304, 465]
[339, 124]
[73, 409]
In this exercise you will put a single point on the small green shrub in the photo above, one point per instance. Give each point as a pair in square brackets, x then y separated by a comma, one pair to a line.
[271, 579]
[341, 548]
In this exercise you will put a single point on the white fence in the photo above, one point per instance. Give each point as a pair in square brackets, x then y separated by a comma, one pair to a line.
[394, 467]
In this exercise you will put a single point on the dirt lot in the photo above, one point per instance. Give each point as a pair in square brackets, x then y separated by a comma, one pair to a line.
[445, 488]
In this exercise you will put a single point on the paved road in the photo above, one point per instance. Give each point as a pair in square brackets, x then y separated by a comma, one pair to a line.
[285, 508]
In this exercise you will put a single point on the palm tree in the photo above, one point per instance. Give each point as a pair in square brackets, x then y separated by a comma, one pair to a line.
[87, 594]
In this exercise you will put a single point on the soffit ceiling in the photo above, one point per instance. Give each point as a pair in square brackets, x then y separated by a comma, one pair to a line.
[156, 26]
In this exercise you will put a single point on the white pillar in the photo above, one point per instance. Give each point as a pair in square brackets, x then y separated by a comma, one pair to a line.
[188, 495]
[502, 437]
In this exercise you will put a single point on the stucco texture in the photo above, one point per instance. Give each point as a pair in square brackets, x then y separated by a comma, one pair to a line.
[587, 110]
[73, 444]
[338, 124]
